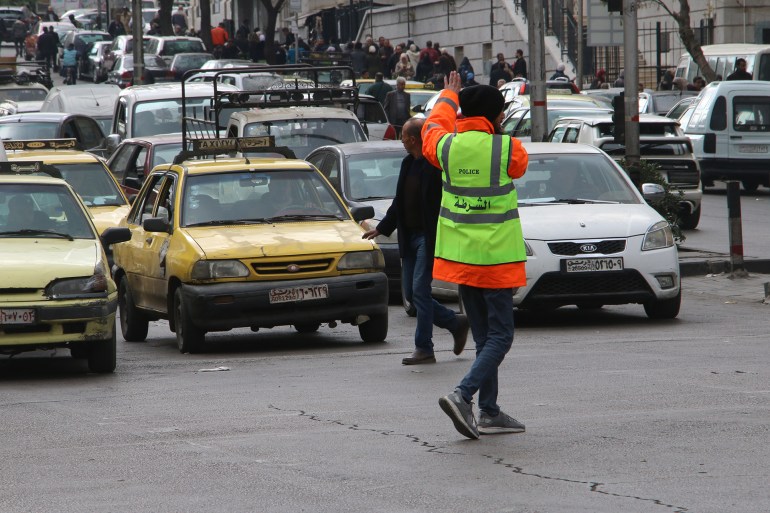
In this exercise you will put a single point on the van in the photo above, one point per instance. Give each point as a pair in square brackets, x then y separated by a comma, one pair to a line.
[730, 132]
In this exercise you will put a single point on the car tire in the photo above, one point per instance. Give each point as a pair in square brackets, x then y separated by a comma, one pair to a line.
[690, 221]
[750, 185]
[309, 327]
[102, 354]
[375, 329]
[664, 308]
[133, 323]
[409, 307]
[189, 337]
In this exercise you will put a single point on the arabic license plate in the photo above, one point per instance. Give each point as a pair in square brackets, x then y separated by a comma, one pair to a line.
[582, 265]
[290, 294]
[752, 148]
[17, 315]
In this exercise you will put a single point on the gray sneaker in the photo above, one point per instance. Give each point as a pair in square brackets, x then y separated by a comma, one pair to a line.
[503, 423]
[461, 414]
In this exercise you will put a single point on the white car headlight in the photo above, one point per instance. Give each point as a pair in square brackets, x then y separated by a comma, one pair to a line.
[211, 269]
[528, 248]
[84, 287]
[362, 260]
[658, 236]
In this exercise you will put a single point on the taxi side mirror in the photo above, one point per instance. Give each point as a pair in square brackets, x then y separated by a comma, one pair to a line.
[115, 235]
[156, 224]
[361, 213]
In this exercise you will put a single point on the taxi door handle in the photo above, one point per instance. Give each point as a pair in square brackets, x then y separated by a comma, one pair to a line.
[736, 137]
[148, 240]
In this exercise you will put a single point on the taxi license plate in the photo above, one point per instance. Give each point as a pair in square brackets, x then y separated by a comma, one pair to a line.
[582, 265]
[290, 294]
[17, 315]
[752, 148]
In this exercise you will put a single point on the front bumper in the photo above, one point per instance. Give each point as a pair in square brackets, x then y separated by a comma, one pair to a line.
[223, 306]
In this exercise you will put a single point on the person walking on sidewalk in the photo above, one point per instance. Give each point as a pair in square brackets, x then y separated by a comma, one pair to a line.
[414, 212]
[479, 243]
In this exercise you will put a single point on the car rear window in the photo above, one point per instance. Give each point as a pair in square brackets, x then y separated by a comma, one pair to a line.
[751, 114]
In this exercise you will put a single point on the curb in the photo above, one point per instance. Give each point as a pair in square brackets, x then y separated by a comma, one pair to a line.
[689, 268]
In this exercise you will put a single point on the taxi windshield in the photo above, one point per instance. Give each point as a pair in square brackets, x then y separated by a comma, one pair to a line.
[36, 210]
[92, 183]
[245, 197]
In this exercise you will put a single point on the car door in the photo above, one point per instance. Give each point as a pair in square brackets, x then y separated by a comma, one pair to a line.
[156, 280]
[121, 164]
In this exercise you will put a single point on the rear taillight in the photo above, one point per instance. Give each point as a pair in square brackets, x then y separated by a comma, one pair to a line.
[390, 133]
[127, 75]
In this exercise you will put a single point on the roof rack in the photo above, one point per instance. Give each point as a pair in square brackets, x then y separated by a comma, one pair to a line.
[41, 144]
[292, 85]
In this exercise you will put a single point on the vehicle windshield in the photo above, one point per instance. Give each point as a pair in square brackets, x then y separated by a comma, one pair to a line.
[191, 61]
[573, 178]
[153, 61]
[247, 197]
[373, 175]
[304, 135]
[164, 116]
[29, 130]
[92, 38]
[182, 46]
[41, 210]
[93, 183]
[21, 94]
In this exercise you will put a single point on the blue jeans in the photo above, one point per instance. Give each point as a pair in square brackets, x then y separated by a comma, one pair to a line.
[490, 315]
[416, 281]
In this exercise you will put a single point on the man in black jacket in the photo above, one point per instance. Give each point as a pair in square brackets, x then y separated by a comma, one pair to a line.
[414, 212]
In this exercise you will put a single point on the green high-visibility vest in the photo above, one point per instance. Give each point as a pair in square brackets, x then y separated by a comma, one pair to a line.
[479, 219]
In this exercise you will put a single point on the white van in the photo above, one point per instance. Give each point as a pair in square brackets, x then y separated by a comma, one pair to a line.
[730, 132]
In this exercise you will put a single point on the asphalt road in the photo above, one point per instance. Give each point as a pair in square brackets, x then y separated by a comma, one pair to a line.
[622, 414]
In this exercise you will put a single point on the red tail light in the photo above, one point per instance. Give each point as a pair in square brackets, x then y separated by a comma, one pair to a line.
[127, 75]
[390, 133]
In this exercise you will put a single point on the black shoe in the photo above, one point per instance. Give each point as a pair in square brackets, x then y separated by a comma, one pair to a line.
[418, 358]
[460, 334]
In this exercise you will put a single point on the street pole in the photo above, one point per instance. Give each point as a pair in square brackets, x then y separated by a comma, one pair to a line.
[536, 72]
[579, 75]
[631, 102]
[137, 27]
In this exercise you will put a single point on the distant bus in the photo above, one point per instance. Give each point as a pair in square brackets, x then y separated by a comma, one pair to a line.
[722, 59]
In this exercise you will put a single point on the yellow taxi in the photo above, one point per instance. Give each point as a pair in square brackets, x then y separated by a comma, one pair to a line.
[85, 172]
[56, 287]
[235, 242]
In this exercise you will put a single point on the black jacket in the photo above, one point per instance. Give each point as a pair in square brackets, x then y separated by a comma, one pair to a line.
[430, 193]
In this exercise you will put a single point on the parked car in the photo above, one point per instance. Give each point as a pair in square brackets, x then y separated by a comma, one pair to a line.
[57, 290]
[54, 125]
[91, 64]
[168, 46]
[30, 42]
[155, 71]
[81, 39]
[135, 158]
[95, 100]
[366, 174]
[518, 123]
[183, 62]
[661, 142]
[121, 45]
[591, 238]
[730, 132]
[522, 86]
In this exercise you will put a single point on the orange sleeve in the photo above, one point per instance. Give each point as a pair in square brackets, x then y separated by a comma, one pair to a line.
[441, 121]
[519, 159]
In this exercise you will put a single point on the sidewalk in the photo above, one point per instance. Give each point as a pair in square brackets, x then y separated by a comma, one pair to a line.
[695, 262]
[750, 289]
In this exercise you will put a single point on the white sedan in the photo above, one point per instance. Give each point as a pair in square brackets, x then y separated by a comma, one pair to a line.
[592, 239]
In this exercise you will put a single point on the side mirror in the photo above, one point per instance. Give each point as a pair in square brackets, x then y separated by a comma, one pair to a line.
[111, 142]
[158, 224]
[133, 182]
[653, 192]
[361, 213]
[114, 236]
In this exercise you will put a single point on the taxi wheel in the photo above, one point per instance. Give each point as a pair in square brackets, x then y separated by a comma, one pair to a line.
[664, 308]
[310, 327]
[101, 354]
[189, 337]
[375, 329]
[133, 324]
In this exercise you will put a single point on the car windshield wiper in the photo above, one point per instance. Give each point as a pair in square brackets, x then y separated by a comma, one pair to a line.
[579, 201]
[367, 198]
[303, 217]
[222, 222]
[39, 232]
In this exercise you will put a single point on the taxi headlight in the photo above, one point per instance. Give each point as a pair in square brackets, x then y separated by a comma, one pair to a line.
[84, 287]
[362, 260]
[658, 236]
[212, 269]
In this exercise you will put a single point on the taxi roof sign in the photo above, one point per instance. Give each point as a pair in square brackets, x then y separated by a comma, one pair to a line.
[228, 145]
[31, 167]
[41, 144]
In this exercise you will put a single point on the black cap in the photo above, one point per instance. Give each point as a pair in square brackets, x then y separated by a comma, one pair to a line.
[481, 100]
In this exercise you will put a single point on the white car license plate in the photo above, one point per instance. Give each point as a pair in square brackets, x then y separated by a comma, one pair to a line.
[290, 294]
[752, 148]
[582, 265]
[17, 315]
